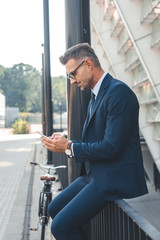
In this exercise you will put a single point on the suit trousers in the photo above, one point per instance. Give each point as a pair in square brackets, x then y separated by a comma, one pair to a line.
[73, 207]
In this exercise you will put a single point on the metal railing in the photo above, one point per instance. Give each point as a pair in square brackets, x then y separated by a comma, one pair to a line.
[61, 159]
[118, 220]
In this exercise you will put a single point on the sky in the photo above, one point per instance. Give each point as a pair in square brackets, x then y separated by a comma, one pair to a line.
[21, 33]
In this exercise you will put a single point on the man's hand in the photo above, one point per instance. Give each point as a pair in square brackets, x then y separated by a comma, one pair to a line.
[57, 143]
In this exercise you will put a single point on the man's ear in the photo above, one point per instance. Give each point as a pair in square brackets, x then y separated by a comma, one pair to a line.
[89, 63]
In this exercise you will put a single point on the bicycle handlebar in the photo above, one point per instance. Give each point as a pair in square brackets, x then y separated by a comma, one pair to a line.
[34, 163]
[48, 167]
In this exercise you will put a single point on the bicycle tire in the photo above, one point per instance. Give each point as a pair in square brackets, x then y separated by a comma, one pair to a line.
[40, 208]
[43, 231]
[44, 217]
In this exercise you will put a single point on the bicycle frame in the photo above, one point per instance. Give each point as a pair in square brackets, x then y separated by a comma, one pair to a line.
[45, 196]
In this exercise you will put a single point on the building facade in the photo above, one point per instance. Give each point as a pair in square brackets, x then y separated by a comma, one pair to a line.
[126, 38]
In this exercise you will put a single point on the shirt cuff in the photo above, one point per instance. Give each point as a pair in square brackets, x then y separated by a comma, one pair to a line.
[72, 150]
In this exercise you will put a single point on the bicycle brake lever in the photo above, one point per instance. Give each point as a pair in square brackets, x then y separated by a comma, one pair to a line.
[33, 163]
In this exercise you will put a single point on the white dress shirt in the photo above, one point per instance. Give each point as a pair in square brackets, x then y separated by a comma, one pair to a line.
[95, 90]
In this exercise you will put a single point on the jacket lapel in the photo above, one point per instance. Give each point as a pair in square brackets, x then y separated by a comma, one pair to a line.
[105, 84]
[102, 91]
[86, 122]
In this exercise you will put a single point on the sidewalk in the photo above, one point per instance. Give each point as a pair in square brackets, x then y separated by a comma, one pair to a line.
[20, 186]
[37, 186]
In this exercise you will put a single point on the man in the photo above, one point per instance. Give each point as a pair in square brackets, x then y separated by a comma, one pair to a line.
[109, 148]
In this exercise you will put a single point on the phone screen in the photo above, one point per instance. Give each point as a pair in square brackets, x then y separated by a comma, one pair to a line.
[43, 135]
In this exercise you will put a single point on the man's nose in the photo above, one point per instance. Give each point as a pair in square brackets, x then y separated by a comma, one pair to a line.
[73, 81]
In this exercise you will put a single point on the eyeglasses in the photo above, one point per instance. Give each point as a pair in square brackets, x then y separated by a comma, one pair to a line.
[73, 73]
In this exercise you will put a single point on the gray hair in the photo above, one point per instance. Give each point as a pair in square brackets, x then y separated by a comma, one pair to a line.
[79, 51]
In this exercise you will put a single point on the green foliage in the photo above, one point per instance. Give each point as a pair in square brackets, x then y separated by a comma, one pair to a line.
[59, 93]
[25, 115]
[2, 70]
[20, 127]
[21, 87]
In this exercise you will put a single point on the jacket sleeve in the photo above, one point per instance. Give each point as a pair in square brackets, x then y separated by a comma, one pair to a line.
[122, 111]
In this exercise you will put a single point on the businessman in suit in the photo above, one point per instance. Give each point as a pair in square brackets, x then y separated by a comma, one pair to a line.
[109, 148]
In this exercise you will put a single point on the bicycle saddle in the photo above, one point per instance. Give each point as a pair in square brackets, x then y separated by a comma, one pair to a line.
[47, 177]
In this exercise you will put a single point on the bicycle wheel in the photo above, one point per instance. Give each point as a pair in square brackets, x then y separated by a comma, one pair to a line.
[44, 217]
[41, 200]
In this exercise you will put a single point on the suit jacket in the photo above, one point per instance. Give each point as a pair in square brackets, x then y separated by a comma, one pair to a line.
[110, 141]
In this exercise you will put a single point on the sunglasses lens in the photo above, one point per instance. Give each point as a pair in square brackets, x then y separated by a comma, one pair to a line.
[71, 76]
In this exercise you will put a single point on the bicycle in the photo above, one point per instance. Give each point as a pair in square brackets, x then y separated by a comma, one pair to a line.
[45, 196]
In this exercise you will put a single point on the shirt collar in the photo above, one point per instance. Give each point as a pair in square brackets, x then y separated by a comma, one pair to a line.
[96, 88]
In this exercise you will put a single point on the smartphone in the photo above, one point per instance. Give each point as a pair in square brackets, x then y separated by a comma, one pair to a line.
[42, 135]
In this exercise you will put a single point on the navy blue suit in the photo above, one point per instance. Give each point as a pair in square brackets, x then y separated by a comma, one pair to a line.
[110, 143]
[110, 140]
